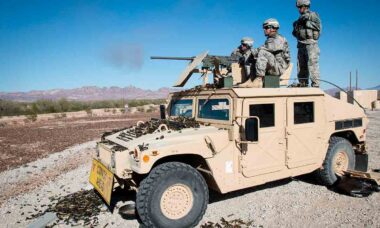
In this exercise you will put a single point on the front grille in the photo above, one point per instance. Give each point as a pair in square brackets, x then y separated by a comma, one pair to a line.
[345, 124]
[105, 155]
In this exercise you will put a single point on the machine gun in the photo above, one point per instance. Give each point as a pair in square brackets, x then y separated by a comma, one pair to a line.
[208, 62]
[218, 65]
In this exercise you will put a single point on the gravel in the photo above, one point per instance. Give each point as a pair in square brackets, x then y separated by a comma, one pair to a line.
[297, 202]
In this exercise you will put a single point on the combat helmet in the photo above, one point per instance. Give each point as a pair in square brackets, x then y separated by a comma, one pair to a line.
[301, 3]
[248, 41]
[272, 22]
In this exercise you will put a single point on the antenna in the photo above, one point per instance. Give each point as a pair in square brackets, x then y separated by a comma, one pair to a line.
[350, 82]
[357, 79]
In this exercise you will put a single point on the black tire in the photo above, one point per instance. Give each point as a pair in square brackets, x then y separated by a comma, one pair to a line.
[163, 177]
[326, 174]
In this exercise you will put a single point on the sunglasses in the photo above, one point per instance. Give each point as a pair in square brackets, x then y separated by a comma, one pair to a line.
[268, 27]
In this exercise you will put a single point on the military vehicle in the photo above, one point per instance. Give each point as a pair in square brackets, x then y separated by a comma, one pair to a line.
[225, 138]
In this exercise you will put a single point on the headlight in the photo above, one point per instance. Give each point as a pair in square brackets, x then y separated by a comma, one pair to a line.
[97, 151]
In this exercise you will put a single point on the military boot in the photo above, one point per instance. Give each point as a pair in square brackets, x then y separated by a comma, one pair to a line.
[246, 84]
[258, 82]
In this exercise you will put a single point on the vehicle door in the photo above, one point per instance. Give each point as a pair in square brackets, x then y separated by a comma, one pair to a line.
[267, 154]
[303, 131]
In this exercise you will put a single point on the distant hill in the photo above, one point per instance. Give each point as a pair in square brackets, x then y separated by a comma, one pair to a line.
[375, 88]
[332, 91]
[89, 93]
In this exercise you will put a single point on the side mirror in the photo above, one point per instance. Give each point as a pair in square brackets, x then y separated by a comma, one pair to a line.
[162, 112]
[252, 129]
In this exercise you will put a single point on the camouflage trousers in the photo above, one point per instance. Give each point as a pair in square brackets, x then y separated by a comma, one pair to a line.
[267, 63]
[308, 64]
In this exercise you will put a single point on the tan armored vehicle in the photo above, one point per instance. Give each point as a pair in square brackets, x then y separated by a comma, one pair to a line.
[227, 139]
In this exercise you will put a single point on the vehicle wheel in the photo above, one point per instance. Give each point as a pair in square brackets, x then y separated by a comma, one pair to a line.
[340, 157]
[174, 194]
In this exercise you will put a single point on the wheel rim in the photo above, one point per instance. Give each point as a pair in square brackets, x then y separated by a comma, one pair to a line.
[340, 162]
[176, 201]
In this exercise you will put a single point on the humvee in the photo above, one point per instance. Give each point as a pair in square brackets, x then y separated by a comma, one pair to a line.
[243, 137]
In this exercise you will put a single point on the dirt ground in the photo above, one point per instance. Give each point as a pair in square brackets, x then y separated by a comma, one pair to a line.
[22, 143]
[29, 190]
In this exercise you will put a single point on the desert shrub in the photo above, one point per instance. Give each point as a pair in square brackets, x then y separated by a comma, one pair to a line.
[122, 110]
[12, 108]
[151, 109]
[32, 117]
[64, 104]
[60, 115]
[88, 111]
[114, 111]
[136, 103]
[140, 109]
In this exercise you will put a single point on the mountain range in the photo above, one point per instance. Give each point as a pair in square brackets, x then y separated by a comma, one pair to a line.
[88, 93]
[375, 88]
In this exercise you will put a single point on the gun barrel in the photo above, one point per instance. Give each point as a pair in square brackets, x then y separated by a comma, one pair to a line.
[172, 58]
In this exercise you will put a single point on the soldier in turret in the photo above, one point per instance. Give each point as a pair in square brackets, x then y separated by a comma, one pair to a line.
[273, 57]
[307, 30]
[245, 55]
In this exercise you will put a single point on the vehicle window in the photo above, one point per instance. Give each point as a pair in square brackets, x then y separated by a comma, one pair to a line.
[217, 109]
[265, 112]
[303, 112]
[182, 108]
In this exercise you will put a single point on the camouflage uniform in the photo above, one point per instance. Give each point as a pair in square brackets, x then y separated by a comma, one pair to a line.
[307, 30]
[273, 57]
[245, 59]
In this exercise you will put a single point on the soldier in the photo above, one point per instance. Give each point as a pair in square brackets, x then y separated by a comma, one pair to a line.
[307, 30]
[244, 54]
[272, 58]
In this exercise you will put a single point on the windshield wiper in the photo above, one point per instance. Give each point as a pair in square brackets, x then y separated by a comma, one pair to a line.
[208, 98]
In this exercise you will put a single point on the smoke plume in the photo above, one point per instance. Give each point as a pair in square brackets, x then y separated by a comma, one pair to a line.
[127, 56]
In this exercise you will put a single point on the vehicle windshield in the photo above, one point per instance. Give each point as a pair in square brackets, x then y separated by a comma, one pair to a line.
[182, 108]
[217, 109]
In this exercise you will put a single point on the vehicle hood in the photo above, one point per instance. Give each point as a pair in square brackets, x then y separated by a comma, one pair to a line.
[192, 137]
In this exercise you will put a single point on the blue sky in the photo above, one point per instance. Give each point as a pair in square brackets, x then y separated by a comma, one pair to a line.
[69, 44]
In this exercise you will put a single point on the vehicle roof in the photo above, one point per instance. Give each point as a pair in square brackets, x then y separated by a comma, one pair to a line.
[254, 92]
[277, 92]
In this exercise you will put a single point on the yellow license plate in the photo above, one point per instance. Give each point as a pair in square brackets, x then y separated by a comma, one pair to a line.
[102, 180]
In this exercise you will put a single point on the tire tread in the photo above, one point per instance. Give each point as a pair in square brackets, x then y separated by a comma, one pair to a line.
[144, 194]
[323, 175]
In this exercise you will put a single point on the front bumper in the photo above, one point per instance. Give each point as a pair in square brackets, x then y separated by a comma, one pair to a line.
[117, 161]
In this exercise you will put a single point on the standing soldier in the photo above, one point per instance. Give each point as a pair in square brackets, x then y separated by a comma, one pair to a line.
[307, 30]
[244, 53]
[272, 58]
